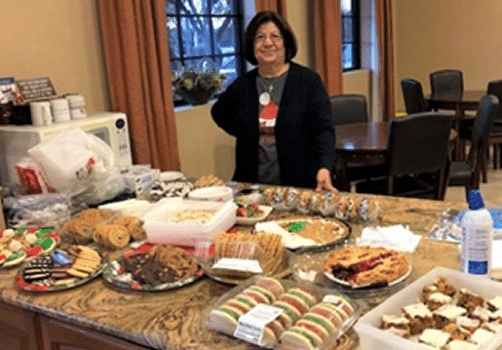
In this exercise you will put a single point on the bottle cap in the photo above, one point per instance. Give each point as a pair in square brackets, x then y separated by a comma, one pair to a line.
[475, 200]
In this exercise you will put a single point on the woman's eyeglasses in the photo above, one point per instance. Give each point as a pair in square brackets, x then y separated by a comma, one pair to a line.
[260, 38]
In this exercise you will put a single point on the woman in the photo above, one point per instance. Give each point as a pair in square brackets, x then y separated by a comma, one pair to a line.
[279, 112]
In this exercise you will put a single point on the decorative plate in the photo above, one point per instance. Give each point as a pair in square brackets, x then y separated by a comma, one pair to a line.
[304, 235]
[60, 270]
[115, 273]
[17, 245]
[249, 221]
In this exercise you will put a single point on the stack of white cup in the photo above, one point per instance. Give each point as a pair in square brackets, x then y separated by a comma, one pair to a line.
[57, 110]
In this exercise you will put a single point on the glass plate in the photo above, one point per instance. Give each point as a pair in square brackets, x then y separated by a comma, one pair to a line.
[371, 285]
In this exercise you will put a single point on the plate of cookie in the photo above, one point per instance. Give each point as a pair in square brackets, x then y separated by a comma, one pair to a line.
[20, 244]
[308, 234]
[152, 268]
[366, 267]
[60, 270]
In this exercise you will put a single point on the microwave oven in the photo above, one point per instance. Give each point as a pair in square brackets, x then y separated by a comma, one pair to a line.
[16, 140]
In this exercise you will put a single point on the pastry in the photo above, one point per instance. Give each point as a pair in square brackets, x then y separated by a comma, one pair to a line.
[366, 265]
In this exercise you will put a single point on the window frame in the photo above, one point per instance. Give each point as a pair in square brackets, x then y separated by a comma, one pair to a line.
[355, 16]
[183, 58]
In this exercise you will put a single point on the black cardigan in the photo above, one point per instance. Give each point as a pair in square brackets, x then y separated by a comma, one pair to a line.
[305, 134]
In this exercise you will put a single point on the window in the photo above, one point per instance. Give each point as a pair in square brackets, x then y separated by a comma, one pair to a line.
[351, 52]
[206, 34]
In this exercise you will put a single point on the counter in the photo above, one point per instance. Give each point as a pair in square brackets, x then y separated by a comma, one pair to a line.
[115, 319]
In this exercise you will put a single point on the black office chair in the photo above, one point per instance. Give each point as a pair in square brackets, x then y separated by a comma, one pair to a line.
[467, 173]
[349, 108]
[413, 94]
[495, 137]
[447, 80]
[416, 158]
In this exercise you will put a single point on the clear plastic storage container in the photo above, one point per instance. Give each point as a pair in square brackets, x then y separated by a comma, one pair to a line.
[185, 222]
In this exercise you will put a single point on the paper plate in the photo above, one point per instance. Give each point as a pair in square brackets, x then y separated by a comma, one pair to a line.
[167, 176]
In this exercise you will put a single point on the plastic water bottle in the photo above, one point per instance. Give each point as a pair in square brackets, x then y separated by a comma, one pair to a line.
[477, 233]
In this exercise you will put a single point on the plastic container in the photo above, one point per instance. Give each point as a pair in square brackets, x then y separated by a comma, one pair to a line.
[161, 225]
[477, 235]
[372, 337]
[239, 260]
[348, 314]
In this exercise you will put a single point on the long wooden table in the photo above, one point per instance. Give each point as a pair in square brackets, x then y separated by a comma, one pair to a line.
[108, 318]
[359, 143]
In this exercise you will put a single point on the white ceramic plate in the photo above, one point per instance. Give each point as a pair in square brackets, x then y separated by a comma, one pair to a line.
[348, 284]
[167, 176]
[251, 221]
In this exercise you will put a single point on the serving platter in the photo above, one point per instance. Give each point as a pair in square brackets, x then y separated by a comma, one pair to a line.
[20, 244]
[378, 284]
[308, 235]
[52, 264]
[115, 273]
[250, 221]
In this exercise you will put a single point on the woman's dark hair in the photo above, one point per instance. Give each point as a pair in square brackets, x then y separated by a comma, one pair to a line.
[286, 32]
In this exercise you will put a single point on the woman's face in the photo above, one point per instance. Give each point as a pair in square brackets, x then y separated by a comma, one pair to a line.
[269, 45]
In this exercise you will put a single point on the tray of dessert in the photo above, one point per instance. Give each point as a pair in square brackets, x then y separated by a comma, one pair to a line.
[20, 244]
[444, 309]
[308, 234]
[366, 267]
[107, 228]
[153, 268]
[235, 256]
[351, 208]
[60, 270]
[281, 314]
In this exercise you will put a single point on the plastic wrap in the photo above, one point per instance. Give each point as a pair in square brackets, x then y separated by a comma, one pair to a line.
[47, 210]
[291, 315]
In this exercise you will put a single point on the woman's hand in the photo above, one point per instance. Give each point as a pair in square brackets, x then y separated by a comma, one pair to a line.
[324, 181]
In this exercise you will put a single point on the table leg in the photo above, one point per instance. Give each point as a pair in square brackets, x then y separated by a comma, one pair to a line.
[459, 143]
[341, 175]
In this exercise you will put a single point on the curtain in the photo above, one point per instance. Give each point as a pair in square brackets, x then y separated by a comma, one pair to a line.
[278, 6]
[383, 11]
[136, 51]
[328, 47]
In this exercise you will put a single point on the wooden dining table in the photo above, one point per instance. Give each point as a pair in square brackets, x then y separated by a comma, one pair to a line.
[364, 143]
[459, 102]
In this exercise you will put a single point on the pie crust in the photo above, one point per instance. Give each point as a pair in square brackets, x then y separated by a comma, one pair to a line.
[366, 265]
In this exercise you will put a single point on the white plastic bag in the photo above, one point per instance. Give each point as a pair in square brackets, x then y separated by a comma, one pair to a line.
[73, 159]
